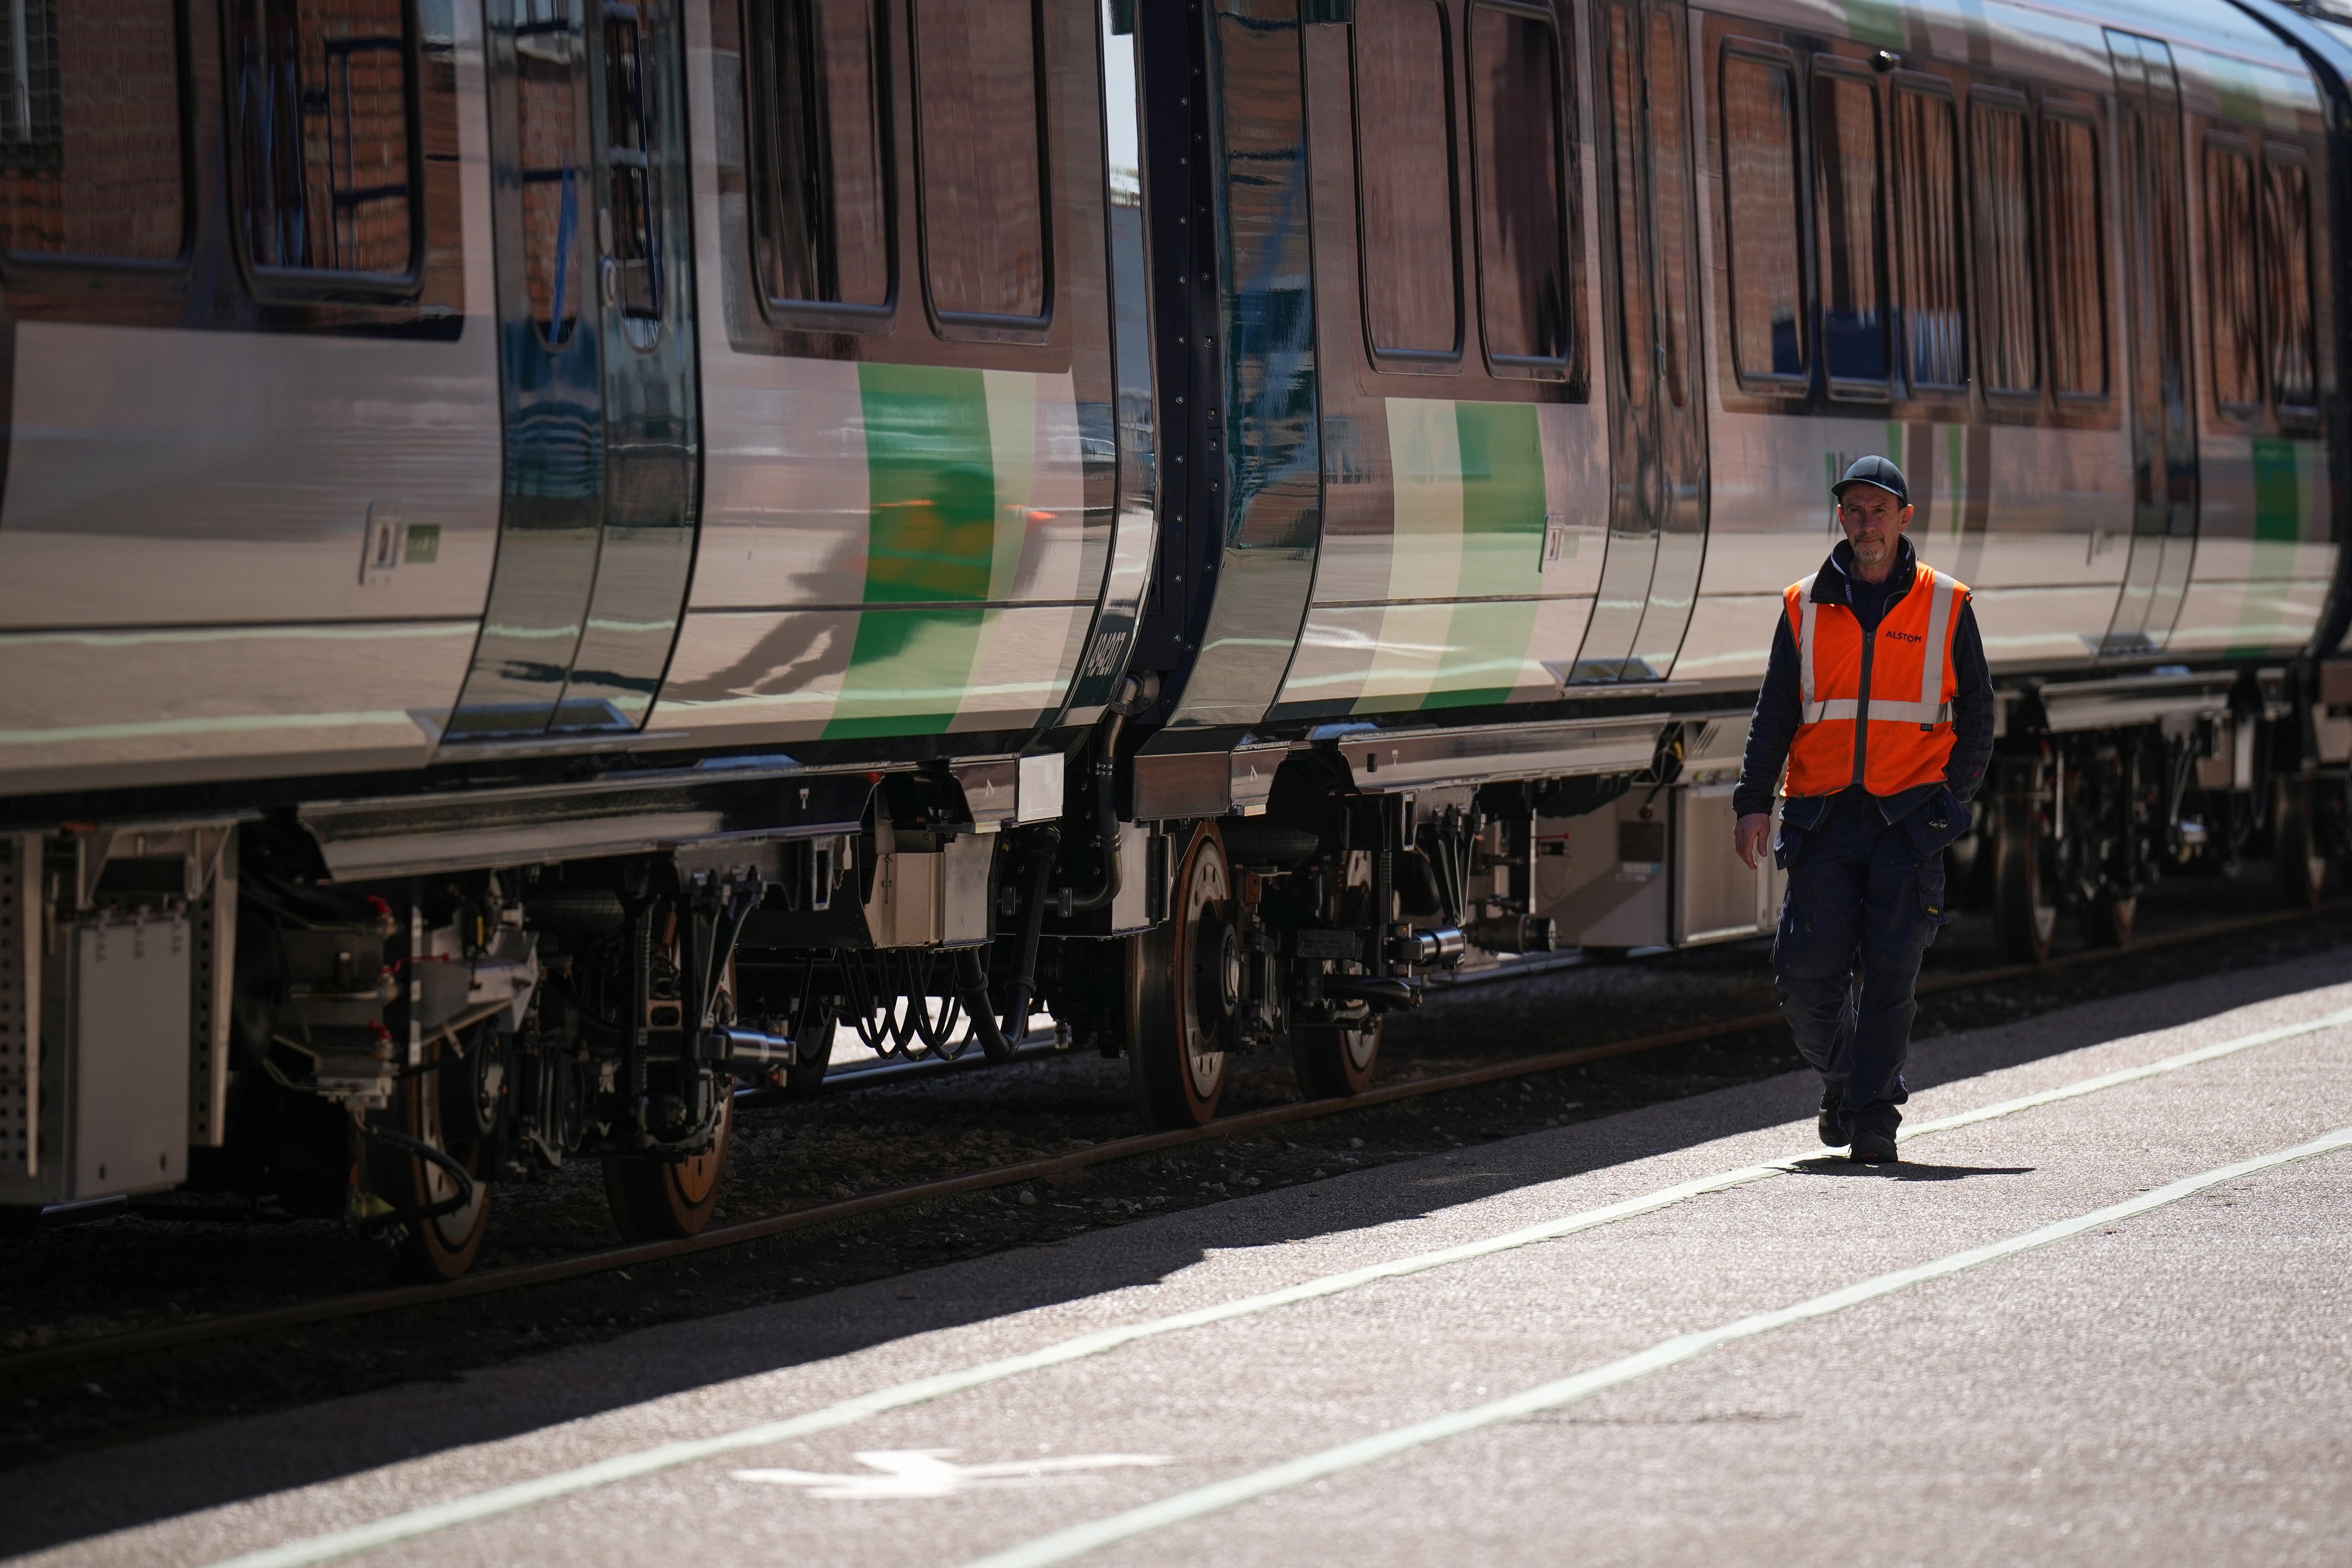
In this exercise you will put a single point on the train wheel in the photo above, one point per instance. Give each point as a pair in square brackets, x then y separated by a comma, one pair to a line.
[1335, 1062]
[1184, 981]
[2107, 919]
[2297, 851]
[444, 1246]
[2025, 884]
[658, 1200]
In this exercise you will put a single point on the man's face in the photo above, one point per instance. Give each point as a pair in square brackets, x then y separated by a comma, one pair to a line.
[1873, 520]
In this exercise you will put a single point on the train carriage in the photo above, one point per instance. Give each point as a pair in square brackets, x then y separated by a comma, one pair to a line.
[556, 556]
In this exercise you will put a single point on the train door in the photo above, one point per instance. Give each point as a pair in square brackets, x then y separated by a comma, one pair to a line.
[1657, 522]
[2155, 309]
[598, 367]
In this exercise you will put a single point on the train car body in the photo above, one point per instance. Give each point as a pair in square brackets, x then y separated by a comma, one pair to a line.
[553, 555]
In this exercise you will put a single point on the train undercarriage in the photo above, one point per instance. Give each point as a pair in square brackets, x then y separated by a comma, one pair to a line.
[2076, 820]
[301, 1012]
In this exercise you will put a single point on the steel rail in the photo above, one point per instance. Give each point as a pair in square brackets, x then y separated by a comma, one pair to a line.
[526, 1275]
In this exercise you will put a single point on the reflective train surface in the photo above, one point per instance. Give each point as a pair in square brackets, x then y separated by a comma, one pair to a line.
[556, 556]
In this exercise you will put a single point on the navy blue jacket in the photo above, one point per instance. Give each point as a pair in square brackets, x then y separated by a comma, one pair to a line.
[1774, 727]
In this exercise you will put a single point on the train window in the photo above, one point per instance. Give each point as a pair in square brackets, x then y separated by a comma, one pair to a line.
[2234, 309]
[1514, 123]
[90, 130]
[982, 159]
[820, 190]
[2286, 279]
[551, 98]
[1846, 198]
[1637, 314]
[1670, 198]
[1406, 181]
[1759, 164]
[635, 256]
[325, 146]
[2074, 233]
[2004, 214]
[1928, 187]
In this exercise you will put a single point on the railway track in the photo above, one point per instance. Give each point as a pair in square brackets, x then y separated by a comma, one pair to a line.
[106, 1348]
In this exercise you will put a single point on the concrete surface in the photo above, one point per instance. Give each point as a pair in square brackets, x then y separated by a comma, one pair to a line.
[2174, 1390]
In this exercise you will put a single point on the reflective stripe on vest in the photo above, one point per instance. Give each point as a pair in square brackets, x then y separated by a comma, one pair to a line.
[1813, 769]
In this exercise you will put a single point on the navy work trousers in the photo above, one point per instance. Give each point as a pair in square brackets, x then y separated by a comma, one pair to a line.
[1865, 898]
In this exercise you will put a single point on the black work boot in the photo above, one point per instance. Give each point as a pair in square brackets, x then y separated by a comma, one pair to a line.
[1873, 1147]
[1873, 1135]
[1835, 1129]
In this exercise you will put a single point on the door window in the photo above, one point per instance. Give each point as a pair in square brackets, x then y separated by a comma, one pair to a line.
[1759, 180]
[2232, 310]
[552, 114]
[1404, 139]
[1515, 120]
[1927, 188]
[1670, 200]
[2286, 279]
[2074, 234]
[1846, 198]
[2003, 211]
[984, 242]
[820, 190]
[1637, 305]
[635, 244]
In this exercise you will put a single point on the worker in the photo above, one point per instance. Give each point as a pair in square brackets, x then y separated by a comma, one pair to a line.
[1878, 703]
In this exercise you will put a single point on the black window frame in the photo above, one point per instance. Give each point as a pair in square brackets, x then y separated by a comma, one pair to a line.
[762, 190]
[972, 326]
[37, 269]
[300, 285]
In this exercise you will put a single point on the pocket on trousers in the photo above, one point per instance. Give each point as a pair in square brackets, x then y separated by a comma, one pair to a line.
[1786, 843]
[1930, 881]
[1941, 820]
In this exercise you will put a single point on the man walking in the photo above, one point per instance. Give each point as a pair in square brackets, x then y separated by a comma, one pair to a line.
[1878, 703]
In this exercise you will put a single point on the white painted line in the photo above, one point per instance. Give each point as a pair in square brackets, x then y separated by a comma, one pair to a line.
[895, 1474]
[436, 1517]
[1062, 1545]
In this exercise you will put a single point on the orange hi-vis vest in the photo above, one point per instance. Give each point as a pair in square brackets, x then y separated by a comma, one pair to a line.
[1898, 681]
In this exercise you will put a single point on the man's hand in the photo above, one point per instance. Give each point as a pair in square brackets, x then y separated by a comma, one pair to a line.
[1753, 835]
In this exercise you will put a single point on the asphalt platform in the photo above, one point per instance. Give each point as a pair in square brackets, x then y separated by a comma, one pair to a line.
[2111, 1326]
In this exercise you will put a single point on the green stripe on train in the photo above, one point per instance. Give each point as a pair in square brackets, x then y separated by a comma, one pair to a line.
[2278, 493]
[931, 537]
[2280, 488]
[932, 533]
[1504, 503]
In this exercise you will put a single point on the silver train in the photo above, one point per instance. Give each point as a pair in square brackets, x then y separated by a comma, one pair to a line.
[556, 556]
